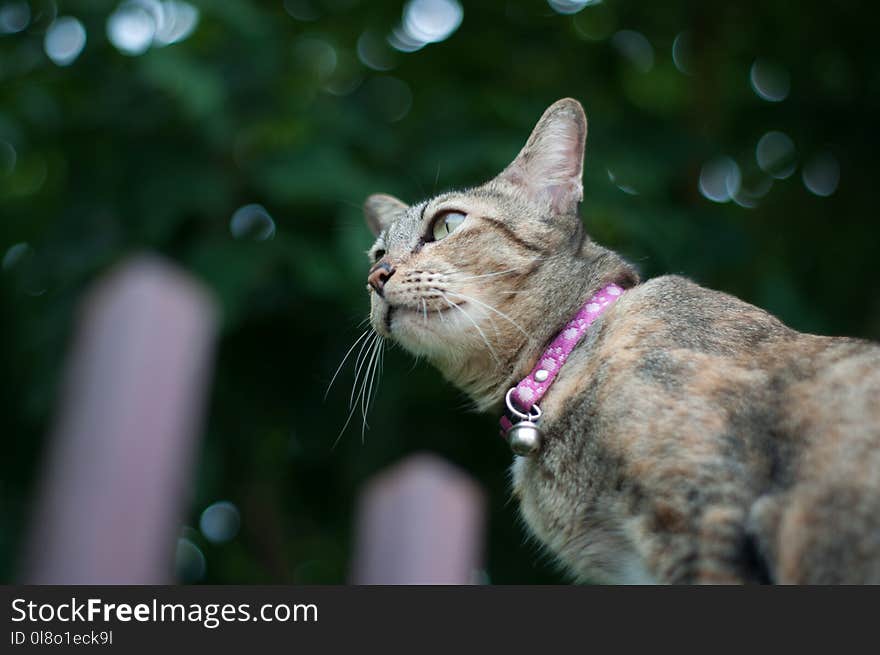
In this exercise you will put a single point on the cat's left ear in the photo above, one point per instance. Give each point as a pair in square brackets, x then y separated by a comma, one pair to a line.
[381, 210]
[551, 164]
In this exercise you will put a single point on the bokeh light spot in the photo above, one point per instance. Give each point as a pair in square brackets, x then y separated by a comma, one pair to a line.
[388, 97]
[20, 260]
[776, 154]
[64, 40]
[424, 22]
[748, 195]
[821, 174]
[189, 561]
[570, 6]
[635, 47]
[131, 28]
[770, 81]
[220, 522]
[252, 222]
[14, 17]
[8, 157]
[301, 10]
[626, 188]
[14, 254]
[343, 83]
[317, 56]
[400, 39]
[137, 25]
[179, 20]
[481, 577]
[596, 24]
[373, 52]
[720, 179]
[432, 20]
[682, 53]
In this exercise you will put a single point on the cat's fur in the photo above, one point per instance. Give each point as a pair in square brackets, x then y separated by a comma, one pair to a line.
[690, 437]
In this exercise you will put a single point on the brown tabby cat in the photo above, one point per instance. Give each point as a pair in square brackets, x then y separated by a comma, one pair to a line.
[690, 437]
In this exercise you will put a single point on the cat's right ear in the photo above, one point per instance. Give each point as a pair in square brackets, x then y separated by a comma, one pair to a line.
[381, 210]
[550, 166]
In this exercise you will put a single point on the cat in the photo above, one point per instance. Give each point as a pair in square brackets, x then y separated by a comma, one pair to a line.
[690, 437]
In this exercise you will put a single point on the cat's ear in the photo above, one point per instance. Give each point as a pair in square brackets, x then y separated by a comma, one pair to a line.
[550, 166]
[381, 210]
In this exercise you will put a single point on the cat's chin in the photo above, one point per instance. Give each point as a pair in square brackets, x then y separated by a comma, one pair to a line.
[416, 328]
[410, 329]
[420, 333]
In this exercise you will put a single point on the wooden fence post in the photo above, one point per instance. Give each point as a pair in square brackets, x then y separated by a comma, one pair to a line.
[117, 470]
[420, 522]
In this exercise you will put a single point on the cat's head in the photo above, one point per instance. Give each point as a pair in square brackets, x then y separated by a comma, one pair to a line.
[477, 280]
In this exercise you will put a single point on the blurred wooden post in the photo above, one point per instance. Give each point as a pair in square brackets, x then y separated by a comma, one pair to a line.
[420, 522]
[118, 468]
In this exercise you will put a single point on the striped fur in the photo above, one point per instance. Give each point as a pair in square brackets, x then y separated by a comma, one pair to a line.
[690, 437]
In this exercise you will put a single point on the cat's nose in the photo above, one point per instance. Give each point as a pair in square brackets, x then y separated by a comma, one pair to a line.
[379, 275]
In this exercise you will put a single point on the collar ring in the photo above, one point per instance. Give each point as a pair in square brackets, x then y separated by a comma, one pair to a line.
[534, 412]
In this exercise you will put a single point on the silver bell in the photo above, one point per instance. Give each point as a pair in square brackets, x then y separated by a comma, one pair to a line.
[524, 438]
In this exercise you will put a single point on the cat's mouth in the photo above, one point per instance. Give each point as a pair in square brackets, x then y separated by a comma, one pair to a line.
[392, 311]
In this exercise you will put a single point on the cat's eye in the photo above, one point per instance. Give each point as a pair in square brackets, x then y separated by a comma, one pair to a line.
[379, 254]
[445, 224]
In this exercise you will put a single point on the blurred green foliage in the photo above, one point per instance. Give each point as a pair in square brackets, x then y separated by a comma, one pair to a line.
[117, 153]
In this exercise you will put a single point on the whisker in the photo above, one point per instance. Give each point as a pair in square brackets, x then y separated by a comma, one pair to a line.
[381, 366]
[342, 431]
[369, 358]
[493, 309]
[367, 388]
[441, 292]
[495, 274]
[344, 426]
[415, 179]
[362, 360]
[474, 323]
[509, 270]
[436, 178]
[344, 359]
[382, 359]
[373, 376]
[359, 361]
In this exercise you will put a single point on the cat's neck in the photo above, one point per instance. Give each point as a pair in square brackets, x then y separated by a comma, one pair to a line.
[488, 379]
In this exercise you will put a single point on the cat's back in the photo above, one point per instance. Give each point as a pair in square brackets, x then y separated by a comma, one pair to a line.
[674, 312]
[696, 394]
[678, 340]
[798, 417]
[677, 316]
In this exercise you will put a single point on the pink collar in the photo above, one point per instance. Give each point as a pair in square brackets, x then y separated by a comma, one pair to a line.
[522, 400]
